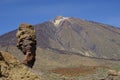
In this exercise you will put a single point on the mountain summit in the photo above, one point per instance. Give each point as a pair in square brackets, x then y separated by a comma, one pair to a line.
[75, 36]
[58, 20]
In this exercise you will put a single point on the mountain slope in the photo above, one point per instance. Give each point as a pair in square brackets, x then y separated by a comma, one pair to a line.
[75, 36]
[80, 37]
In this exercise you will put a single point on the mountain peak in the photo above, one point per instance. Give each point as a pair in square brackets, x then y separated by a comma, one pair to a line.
[59, 19]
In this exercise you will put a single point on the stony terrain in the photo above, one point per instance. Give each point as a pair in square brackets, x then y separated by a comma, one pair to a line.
[54, 66]
[12, 69]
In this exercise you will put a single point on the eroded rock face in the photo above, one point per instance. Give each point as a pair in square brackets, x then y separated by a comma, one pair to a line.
[26, 42]
[12, 69]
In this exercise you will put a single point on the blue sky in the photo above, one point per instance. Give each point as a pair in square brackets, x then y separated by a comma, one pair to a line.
[14, 12]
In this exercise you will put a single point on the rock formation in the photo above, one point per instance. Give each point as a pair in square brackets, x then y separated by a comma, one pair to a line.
[12, 69]
[26, 42]
[112, 75]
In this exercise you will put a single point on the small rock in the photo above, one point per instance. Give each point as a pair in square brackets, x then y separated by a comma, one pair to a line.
[112, 73]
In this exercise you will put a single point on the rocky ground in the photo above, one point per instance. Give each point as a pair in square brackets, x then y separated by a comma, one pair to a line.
[54, 66]
[12, 69]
